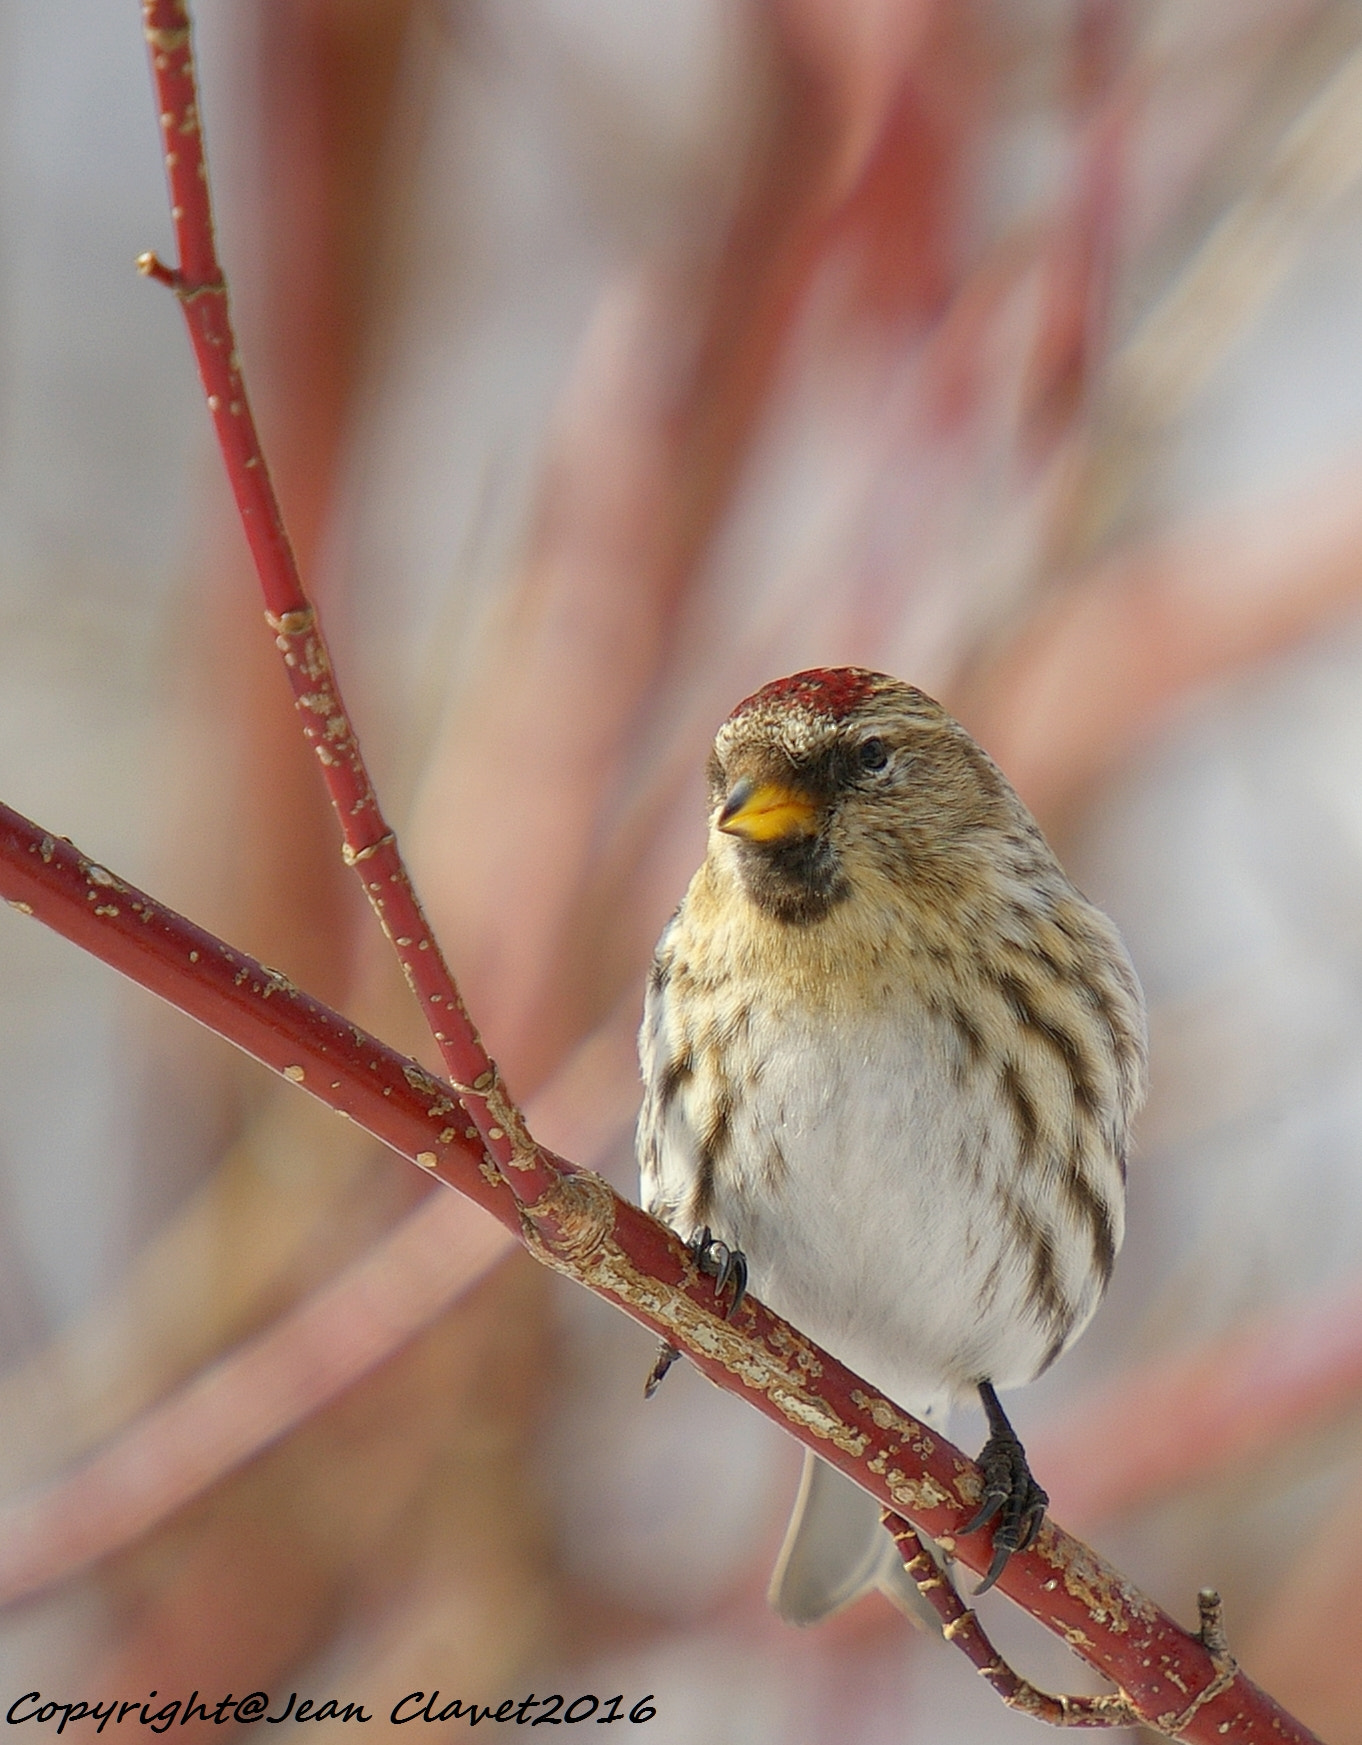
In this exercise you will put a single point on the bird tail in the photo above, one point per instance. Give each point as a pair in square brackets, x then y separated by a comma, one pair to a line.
[835, 1551]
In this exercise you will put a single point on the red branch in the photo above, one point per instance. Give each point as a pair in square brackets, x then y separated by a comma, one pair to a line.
[584, 1229]
[961, 1626]
[370, 847]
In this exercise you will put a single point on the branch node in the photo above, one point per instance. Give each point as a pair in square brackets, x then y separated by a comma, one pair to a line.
[1173, 1724]
[353, 856]
[295, 623]
[571, 1222]
[507, 1121]
[1212, 1632]
[203, 288]
[166, 42]
[151, 266]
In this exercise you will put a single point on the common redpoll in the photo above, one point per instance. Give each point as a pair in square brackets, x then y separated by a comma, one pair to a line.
[891, 1056]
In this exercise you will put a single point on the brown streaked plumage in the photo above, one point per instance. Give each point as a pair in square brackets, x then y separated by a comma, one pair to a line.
[891, 1055]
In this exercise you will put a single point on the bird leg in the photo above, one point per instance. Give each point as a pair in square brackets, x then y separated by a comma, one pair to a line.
[724, 1265]
[1010, 1492]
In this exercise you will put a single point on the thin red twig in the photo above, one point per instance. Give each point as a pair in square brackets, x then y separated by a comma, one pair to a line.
[370, 847]
[962, 1627]
[587, 1231]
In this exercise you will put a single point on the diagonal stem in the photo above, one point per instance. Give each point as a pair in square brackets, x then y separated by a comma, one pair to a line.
[369, 845]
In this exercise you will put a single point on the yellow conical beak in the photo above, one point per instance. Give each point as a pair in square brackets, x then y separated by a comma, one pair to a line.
[766, 811]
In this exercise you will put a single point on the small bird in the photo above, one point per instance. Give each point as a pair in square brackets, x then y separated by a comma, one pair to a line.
[891, 1056]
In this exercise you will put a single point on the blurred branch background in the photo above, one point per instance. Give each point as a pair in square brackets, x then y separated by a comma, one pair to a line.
[614, 357]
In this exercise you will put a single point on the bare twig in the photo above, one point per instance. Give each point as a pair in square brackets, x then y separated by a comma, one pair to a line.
[1213, 1627]
[961, 1626]
[370, 847]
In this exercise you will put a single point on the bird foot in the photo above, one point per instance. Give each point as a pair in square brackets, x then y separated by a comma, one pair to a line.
[1011, 1495]
[724, 1265]
[667, 1355]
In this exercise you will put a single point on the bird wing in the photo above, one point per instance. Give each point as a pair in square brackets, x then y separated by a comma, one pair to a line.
[664, 1144]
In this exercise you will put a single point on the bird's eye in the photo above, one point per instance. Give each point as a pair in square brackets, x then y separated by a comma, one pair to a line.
[874, 754]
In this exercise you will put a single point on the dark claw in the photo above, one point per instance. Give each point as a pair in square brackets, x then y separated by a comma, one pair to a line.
[1010, 1493]
[733, 1266]
[1001, 1553]
[1035, 1517]
[666, 1356]
[724, 1265]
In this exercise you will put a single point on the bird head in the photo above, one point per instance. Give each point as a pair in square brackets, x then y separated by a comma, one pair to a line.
[839, 785]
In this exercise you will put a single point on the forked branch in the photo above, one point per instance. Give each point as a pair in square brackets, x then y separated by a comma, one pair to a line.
[369, 845]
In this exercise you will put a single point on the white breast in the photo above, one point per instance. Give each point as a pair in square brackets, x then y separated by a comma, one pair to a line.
[867, 1189]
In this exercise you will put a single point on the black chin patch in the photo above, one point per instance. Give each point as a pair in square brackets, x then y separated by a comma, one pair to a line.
[796, 881]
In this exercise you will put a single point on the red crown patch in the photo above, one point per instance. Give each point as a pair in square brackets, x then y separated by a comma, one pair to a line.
[830, 690]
